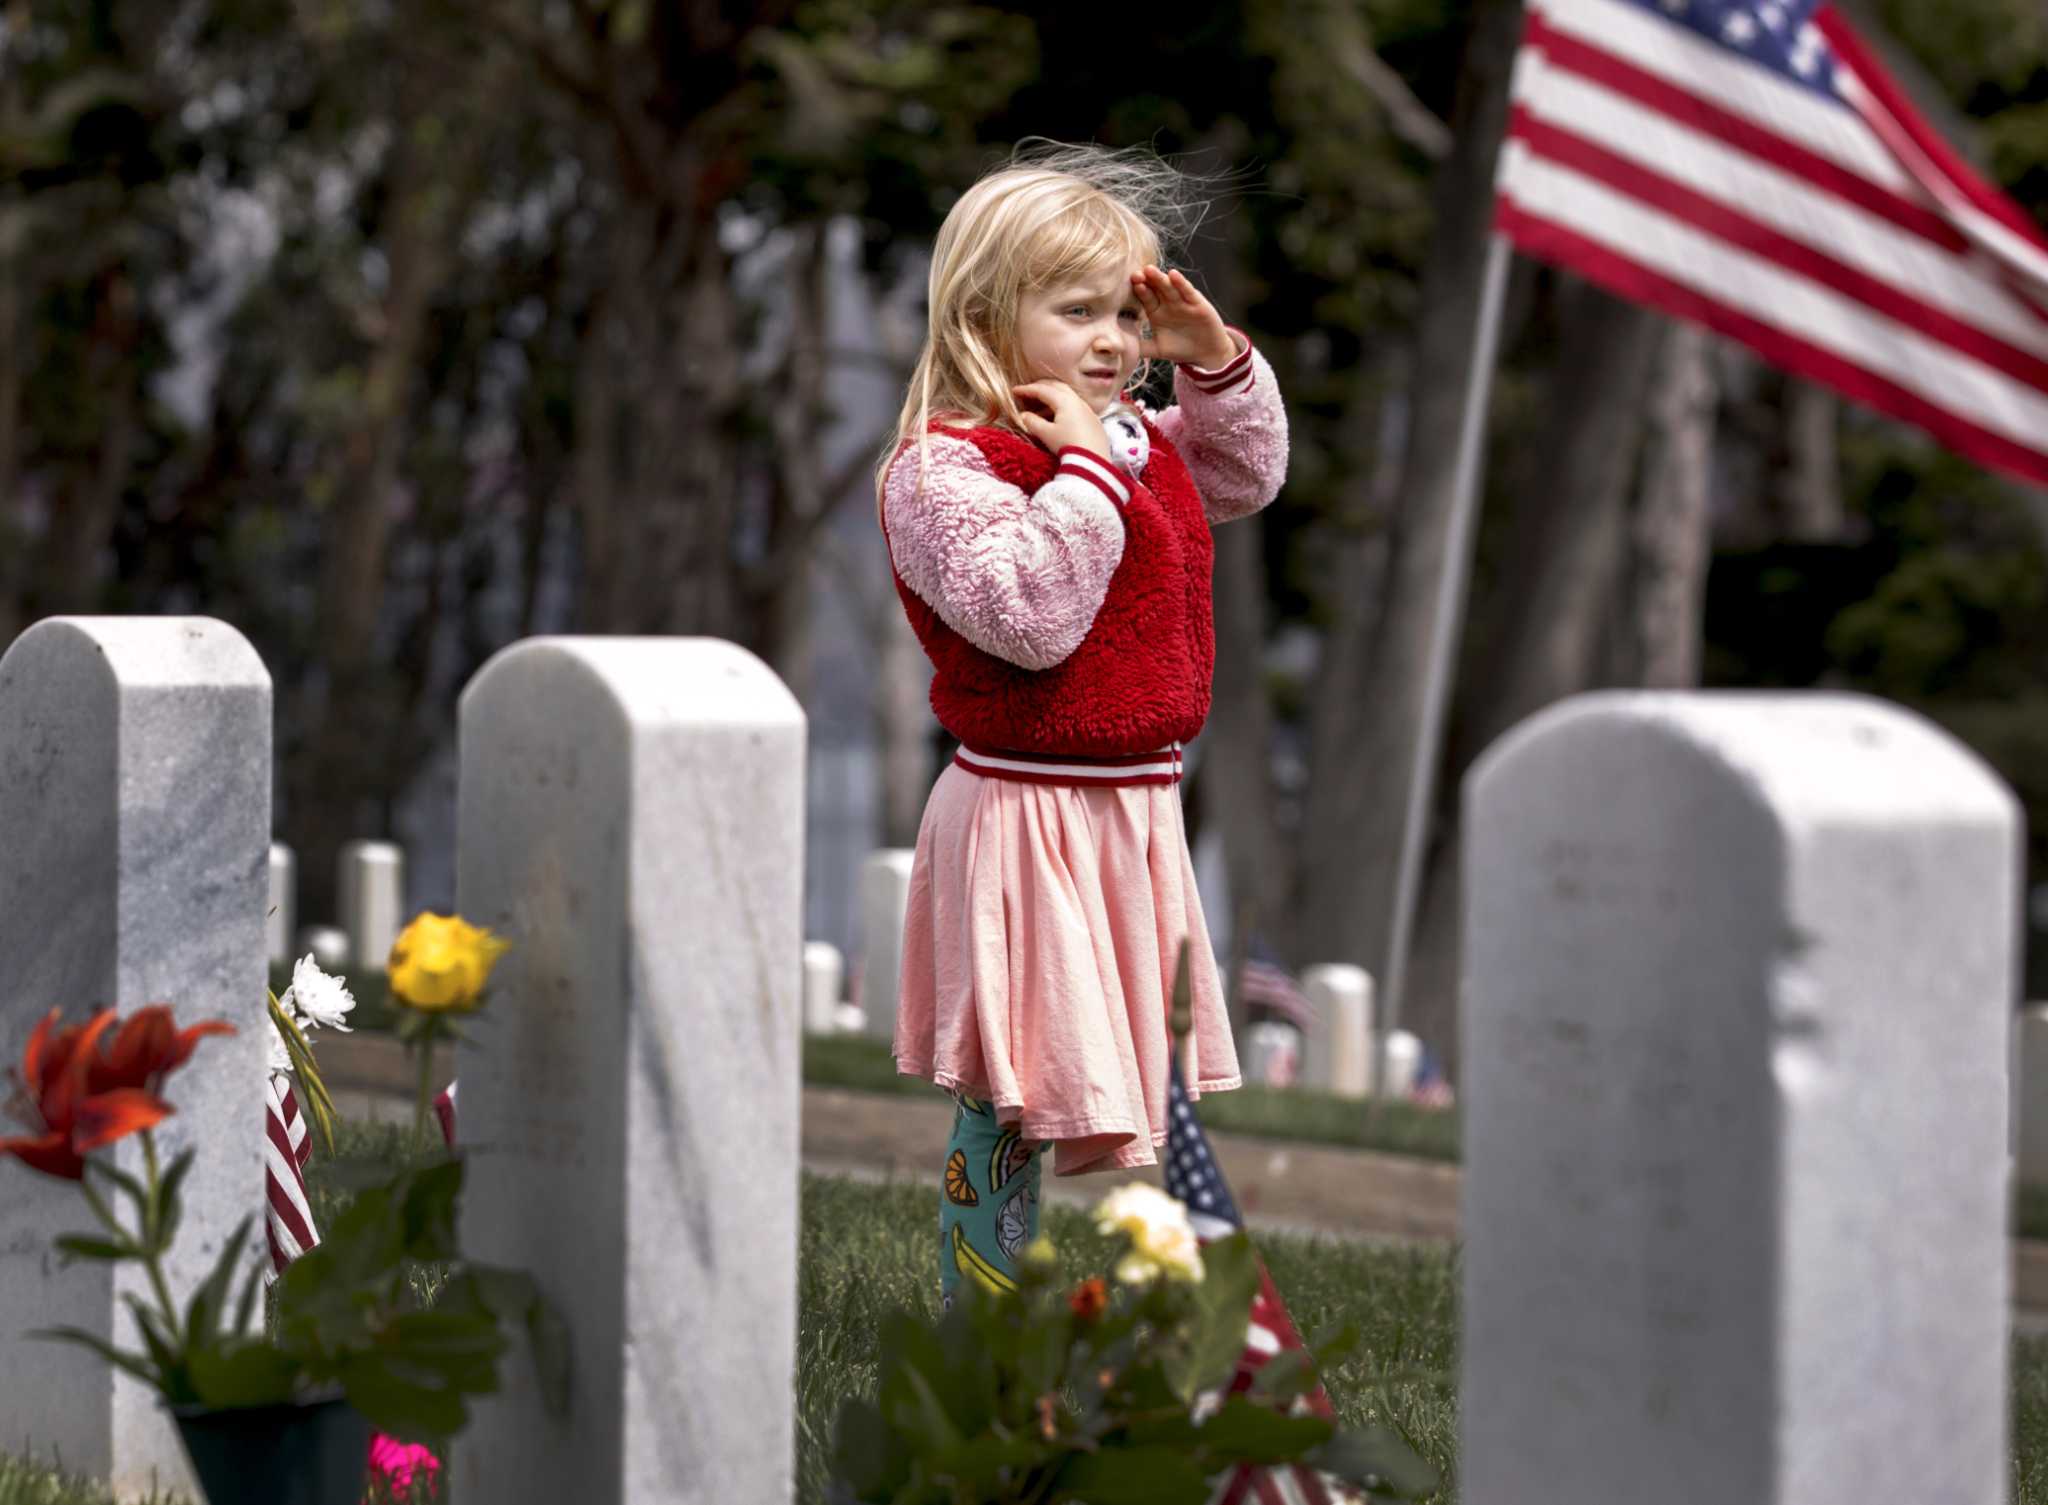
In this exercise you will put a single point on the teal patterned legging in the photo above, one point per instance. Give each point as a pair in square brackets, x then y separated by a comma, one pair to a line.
[988, 1201]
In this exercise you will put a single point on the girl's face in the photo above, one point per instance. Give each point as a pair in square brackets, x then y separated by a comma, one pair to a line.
[1084, 333]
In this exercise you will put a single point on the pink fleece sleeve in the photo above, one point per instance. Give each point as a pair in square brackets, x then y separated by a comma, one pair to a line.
[1231, 428]
[1019, 575]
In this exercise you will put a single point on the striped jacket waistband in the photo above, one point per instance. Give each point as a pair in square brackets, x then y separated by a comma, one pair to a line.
[1122, 771]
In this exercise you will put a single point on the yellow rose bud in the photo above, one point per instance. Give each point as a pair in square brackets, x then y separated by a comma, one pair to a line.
[440, 963]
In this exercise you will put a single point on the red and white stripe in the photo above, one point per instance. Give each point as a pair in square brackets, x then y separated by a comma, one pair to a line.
[287, 1144]
[1227, 380]
[1269, 1333]
[1086, 465]
[1846, 244]
[1161, 767]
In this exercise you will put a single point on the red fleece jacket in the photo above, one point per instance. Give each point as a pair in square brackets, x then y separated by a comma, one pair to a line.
[1140, 678]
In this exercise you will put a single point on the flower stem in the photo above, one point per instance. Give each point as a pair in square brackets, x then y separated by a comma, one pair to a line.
[425, 1046]
[152, 1256]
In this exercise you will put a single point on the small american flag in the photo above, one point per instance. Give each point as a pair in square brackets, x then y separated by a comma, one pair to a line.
[1265, 984]
[1749, 165]
[287, 1144]
[1193, 1176]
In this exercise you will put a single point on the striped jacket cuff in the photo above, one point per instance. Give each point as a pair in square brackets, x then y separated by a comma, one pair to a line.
[1089, 466]
[1227, 380]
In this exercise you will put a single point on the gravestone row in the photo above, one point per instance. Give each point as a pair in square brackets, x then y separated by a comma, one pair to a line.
[1737, 1029]
[631, 817]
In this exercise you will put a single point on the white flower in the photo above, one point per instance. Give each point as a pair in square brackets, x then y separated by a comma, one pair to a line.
[1162, 1239]
[280, 1058]
[316, 998]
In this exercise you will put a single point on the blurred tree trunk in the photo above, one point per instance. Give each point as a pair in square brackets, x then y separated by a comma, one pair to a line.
[1546, 641]
[1369, 697]
[69, 575]
[1672, 529]
[1810, 486]
[1568, 545]
[13, 526]
[346, 715]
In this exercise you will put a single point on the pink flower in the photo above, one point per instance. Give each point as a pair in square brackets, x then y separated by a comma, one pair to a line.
[397, 1462]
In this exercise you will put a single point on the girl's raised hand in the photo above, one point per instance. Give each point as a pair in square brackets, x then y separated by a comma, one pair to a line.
[1056, 416]
[1185, 325]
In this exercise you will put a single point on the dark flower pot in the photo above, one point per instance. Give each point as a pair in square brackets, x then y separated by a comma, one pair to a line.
[310, 1453]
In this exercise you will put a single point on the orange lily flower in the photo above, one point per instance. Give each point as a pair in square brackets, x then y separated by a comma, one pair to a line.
[77, 1096]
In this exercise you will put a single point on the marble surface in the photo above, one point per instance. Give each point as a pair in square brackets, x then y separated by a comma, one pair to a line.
[370, 885]
[632, 821]
[135, 800]
[884, 900]
[1336, 1054]
[1739, 971]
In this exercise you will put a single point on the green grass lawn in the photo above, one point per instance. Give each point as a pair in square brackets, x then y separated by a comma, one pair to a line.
[864, 1065]
[867, 1248]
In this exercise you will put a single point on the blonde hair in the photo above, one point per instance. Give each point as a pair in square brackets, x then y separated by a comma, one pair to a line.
[1052, 214]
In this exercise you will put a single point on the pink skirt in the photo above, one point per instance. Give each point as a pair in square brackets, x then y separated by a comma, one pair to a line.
[1044, 924]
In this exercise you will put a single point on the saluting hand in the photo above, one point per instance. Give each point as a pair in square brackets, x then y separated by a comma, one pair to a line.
[1185, 326]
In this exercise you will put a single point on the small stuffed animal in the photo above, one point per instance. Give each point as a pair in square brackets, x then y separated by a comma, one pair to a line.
[1128, 445]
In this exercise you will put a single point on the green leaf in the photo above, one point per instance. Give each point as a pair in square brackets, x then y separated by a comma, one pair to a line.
[1131, 1476]
[1223, 1304]
[1332, 1346]
[298, 1051]
[912, 1360]
[127, 1184]
[394, 1400]
[924, 1417]
[202, 1313]
[981, 1466]
[172, 1378]
[86, 1246]
[120, 1358]
[170, 1205]
[868, 1455]
[243, 1373]
[245, 1308]
[1286, 1375]
[1376, 1458]
[1243, 1431]
[428, 1207]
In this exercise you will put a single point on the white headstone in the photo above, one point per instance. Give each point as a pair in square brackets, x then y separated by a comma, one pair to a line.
[281, 912]
[370, 889]
[1738, 977]
[1404, 1063]
[884, 898]
[1272, 1056]
[824, 971]
[2030, 1093]
[1336, 1054]
[135, 806]
[327, 945]
[631, 821]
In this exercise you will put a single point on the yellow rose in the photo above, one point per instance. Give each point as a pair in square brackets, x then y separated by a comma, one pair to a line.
[440, 963]
[1162, 1239]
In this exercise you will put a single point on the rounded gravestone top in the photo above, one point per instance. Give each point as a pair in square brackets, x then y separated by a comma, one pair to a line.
[146, 651]
[652, 680]
[1819, 756]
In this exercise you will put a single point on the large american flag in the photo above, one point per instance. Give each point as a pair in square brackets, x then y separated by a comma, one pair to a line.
[1749, 165]
[1193, 1176]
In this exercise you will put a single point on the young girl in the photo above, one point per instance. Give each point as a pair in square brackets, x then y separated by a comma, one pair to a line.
[1050, 541]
